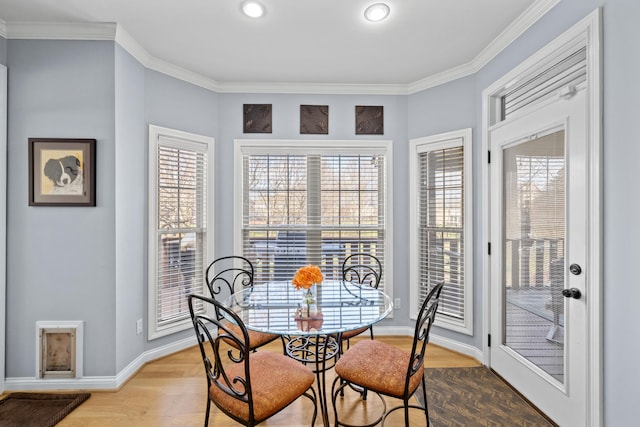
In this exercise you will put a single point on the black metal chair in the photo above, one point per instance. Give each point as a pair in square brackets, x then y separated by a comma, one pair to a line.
[366, 270]
[387, 370]
[247, 386]
[230, 274]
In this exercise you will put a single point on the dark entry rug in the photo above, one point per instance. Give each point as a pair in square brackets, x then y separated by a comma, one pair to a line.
[475, 397]
[38, 409]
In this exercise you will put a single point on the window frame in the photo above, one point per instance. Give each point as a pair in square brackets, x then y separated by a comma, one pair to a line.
[383, 147]
[441, 141]
[155, 330]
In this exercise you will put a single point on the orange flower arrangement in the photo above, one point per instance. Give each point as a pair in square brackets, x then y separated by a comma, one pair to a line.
[307, 276]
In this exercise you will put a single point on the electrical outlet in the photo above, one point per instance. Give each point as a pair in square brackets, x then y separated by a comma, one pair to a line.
[138, 326]
[396, 303]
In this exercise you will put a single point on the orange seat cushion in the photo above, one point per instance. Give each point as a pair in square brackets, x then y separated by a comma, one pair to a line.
[276, 381]
[350, 334]
[256, 339]
[379, 367]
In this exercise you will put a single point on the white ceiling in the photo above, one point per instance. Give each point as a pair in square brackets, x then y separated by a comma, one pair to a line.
[300, 42]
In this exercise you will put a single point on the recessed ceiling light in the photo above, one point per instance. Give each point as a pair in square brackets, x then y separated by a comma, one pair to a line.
[253, 9]
[376, 12]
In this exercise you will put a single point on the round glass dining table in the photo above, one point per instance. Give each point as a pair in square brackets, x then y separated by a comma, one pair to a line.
[310, 325]
[279, 308]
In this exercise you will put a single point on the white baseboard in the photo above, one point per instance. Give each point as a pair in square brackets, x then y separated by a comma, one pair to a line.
[456, 346]
[392, 331]
[115, 382]
[98, 383]
[447, 343]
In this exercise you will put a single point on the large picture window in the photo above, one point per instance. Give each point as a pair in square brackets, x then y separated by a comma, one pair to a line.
[178, 225]
[302, 202]
[441, 224]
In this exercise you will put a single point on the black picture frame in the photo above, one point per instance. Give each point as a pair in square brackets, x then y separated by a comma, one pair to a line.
[62, 172]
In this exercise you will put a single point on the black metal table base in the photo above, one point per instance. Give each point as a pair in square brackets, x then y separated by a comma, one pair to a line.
[319, 352]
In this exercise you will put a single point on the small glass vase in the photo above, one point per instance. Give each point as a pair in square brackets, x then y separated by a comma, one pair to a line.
[309, 295]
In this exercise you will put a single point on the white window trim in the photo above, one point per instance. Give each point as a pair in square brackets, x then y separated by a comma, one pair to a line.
[155, 133]
[3, 217]
[272, 146]
[435, 142]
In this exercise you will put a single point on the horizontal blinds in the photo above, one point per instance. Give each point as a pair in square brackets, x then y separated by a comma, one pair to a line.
[181, 208]
[441, 227]
[534, 210]
[569, 71]
[318, 209]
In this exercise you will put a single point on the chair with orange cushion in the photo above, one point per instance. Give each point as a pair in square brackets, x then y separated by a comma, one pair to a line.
[247, 386]
[230, 274]
[388, 370]
[366, 270]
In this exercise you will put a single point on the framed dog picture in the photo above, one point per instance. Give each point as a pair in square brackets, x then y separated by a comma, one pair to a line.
[62, 172]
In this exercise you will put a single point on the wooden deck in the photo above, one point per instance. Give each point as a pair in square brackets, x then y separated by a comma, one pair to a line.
[528, 334]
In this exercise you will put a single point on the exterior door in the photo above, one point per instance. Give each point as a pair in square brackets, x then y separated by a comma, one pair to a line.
[539, 209]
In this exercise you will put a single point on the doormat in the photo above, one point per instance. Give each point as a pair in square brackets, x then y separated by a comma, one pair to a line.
[38, 409]
[475, 397]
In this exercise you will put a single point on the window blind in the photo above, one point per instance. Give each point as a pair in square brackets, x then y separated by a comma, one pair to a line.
[317, 209]
[441, 228]
[571, 70]
[181, 233]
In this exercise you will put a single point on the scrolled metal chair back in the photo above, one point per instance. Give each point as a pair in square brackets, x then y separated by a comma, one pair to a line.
[362, 268]
[227, 275]
[221, 350]
[426, 317]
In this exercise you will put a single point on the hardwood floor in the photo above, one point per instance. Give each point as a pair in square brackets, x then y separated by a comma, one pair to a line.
[171, 392]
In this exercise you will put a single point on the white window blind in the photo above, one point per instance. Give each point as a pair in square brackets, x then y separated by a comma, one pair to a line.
[442, 228]
[569, 71]
[312, 208]
[442, 224]
[180, 228]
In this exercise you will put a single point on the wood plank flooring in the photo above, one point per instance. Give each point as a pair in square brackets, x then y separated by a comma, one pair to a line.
[171, 392]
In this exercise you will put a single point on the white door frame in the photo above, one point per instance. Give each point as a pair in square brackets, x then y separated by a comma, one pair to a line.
[3, 218]
[588, 29]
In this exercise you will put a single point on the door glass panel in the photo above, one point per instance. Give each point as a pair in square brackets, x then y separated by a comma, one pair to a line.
[533, 251]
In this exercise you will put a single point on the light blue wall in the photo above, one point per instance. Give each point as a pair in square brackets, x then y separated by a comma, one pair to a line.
[3, 51]
[621, 211]
[60, 260]
[441, 109]
[130, 174]
[178, 105]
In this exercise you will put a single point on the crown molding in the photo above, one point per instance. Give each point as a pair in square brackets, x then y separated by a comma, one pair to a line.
[529, 17]
[314, 88]
[442, 78]
[115, 32]
[61, 31]
[497, 45]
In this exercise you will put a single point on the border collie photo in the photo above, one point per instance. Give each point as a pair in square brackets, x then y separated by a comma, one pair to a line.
[65, 174]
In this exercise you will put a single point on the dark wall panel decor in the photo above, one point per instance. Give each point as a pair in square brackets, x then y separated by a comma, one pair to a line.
[369, 120]
[256, 118]
[314, 119]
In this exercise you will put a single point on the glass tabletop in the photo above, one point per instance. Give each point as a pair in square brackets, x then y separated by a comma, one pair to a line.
[279, 308]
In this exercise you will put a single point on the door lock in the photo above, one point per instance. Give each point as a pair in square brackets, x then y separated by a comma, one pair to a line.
[575, 269]
[572, 293]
